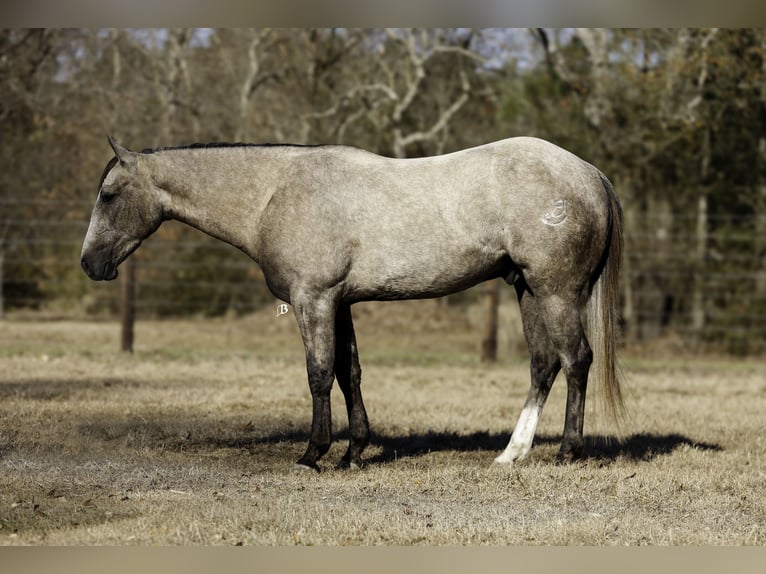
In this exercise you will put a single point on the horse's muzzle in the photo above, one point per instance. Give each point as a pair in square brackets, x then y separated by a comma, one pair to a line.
[104, 272]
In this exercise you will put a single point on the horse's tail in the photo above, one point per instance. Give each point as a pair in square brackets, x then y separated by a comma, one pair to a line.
[601, 311]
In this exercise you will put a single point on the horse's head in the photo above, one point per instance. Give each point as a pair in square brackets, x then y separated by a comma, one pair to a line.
[126, 212]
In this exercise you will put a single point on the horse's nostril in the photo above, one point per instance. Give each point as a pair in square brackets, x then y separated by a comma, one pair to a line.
[85, 266]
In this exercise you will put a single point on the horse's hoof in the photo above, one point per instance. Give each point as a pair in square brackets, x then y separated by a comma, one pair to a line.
[567, 457]
[303, 467]
[501, 462]
[349, 465]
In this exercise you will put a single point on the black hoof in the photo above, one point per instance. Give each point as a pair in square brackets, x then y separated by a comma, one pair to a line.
[350, 465]
[568, 457]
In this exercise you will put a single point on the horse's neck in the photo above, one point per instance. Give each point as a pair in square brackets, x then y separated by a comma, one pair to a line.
[208, 193]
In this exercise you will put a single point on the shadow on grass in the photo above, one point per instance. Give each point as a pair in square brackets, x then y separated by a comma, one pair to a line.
[170, 434]
[638, 447]
[641, 446]
[603, 449]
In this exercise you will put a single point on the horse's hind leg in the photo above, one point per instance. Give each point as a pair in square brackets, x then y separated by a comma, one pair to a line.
[349, 375]
[564, 326]
[544, 366]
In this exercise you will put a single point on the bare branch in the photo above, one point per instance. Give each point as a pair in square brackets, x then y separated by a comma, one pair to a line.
[402, 142]
[414, 83]
[597, 105]
[246, 87]
[555, 60]
[352, 94]
[462, 51]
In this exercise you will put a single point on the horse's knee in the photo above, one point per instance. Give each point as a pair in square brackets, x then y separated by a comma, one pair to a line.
[544, 367]
[321, 376]
[320, 385]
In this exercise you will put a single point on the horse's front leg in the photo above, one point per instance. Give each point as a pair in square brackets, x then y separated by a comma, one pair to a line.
[316, 321]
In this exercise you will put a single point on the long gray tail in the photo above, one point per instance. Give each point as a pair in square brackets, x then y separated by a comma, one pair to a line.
[602, 313]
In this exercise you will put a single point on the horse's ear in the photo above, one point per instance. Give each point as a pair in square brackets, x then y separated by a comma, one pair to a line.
[123, 154]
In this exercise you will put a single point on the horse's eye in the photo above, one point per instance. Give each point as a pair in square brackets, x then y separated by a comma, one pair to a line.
[107, 196]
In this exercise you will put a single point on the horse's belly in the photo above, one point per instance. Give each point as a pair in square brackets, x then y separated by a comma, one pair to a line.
[424, 273]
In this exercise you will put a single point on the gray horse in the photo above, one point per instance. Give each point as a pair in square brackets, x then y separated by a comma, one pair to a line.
[333, 225]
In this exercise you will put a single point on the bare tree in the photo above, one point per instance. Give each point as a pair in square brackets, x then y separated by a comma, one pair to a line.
[386, 83]
[598, 108]
[760, 207]
[421, 46]
[695, 51]
[257, 43]
[172, 82]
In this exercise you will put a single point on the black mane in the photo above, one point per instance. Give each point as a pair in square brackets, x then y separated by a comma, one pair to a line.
[225, 145]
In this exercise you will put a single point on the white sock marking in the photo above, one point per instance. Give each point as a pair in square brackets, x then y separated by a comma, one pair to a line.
[523, 434]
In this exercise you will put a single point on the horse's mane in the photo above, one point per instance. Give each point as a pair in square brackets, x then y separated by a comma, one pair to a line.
[225, 145]
[113, 161]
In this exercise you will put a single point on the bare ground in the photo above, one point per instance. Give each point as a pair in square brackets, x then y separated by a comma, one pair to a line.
[191, 440]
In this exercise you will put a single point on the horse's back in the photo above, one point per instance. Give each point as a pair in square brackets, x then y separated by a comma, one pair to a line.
[405, 228]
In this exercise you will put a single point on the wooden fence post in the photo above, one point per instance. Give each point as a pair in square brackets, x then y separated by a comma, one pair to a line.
[2, 301]
[2, 263]
[128, 304]
[489, 342]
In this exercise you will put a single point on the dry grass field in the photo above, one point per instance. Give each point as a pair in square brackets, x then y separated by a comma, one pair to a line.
[191, 440]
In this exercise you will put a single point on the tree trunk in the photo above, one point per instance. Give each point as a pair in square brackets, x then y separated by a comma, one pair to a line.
[628, 313]
[489, 343]
[700, 248]
[759, 251]
[247, 87]
[760, 211]
[2, 301]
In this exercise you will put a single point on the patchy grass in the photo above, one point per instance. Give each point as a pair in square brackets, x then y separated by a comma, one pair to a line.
[191, 440]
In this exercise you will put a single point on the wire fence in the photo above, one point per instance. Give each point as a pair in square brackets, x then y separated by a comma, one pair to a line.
[180, 271]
